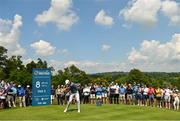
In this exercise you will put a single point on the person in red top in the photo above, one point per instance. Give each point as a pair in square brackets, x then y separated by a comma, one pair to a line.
[151, 93]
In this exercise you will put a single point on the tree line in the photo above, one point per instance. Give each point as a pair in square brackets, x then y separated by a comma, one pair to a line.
[13, 69]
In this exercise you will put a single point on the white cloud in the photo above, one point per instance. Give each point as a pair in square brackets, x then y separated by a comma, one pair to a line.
[43, 48]
[103, 19]
[88, 66]
[156, 56]
[60, 13]
[10, 35]
[151, 56]
[143, 12]
[171, 9]
[105, 47]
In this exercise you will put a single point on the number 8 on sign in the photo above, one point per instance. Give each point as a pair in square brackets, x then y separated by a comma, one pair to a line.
[38, 84]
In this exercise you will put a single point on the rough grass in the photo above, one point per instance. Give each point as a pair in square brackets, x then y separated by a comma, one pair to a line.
[89, 112]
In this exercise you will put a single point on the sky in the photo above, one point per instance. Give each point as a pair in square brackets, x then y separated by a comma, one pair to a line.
[95, 35]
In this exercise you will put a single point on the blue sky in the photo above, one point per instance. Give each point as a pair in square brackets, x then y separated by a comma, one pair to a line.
[95, 35]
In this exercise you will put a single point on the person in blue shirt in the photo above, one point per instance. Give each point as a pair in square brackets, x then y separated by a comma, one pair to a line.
[135, 91]
[104, 94]
[21, 95]
[122, 92]
[14, 90]
[98, 95]
[73, 90]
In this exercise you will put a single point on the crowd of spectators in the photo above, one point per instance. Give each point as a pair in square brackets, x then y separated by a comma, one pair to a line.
[12, 95]
[130, 94]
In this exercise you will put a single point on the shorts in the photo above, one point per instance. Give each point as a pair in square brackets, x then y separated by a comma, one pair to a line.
[10, 98]
[129, 96]
[98, 96]
[167, 98]
[151, 97]
[158, 98]
[52, 97]
[2, 97]
[145, 97]
[138, 96]
[104, 95]
[92, 96]
[74, 96]
[176, 101]
[122, 96]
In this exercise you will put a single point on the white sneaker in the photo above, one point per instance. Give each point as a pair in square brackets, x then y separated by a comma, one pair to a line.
[65, 110]
[79, 111]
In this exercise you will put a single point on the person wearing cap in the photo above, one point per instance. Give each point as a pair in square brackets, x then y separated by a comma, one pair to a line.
[21, 94]
[28, 96]
[73, 90]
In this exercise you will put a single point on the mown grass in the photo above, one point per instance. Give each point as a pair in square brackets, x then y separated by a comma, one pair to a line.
[89, 112]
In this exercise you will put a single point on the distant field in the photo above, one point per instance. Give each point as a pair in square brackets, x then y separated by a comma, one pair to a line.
[89, 112]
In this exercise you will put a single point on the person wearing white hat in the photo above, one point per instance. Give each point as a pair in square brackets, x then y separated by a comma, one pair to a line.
[73, 89]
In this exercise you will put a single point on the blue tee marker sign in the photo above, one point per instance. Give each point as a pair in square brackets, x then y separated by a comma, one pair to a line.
[41, 87]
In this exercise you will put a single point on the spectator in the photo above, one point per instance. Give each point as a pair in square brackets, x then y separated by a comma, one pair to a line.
[129, 92]
[98, 95]
[116, 94]
[60, 94]
[21, 94]
[86, 94]
[112, 89]
[158, 97]
[92, 94]
[139, 95]
[28, 96]
[104, 94]
[2, 98]
[176, 100]
[167, 97]
[10, 97]
[52, 94]
[145, 95]
[122, 91]
[151, 93]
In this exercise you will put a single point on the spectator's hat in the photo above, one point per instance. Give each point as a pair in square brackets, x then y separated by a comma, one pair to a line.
[19, 85]
[67, 81]
[28, 86]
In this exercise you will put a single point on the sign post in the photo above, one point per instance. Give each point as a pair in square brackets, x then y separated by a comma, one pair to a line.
[41, 87]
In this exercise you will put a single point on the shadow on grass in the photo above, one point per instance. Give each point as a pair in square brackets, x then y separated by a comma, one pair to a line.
[71, 110]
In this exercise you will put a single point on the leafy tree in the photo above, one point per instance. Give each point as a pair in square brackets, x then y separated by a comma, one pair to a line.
[3, 57]
[21, 77]
[137, 76]
[3, 60]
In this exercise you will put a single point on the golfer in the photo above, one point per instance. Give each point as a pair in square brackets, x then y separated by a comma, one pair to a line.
[73, 89]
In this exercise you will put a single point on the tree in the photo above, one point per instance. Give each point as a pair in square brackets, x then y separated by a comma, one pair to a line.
[3, 56]
[72, 73]
[30, 66]
[137, 76]
[41, 64]
[14, 63]
[3, 60]
[20, 77]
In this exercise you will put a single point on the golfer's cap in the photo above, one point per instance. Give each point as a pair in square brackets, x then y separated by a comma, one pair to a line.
[28, 86]
[19, 85]
[67, 81]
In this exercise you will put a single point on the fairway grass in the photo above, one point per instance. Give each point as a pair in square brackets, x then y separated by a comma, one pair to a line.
[89, 112]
